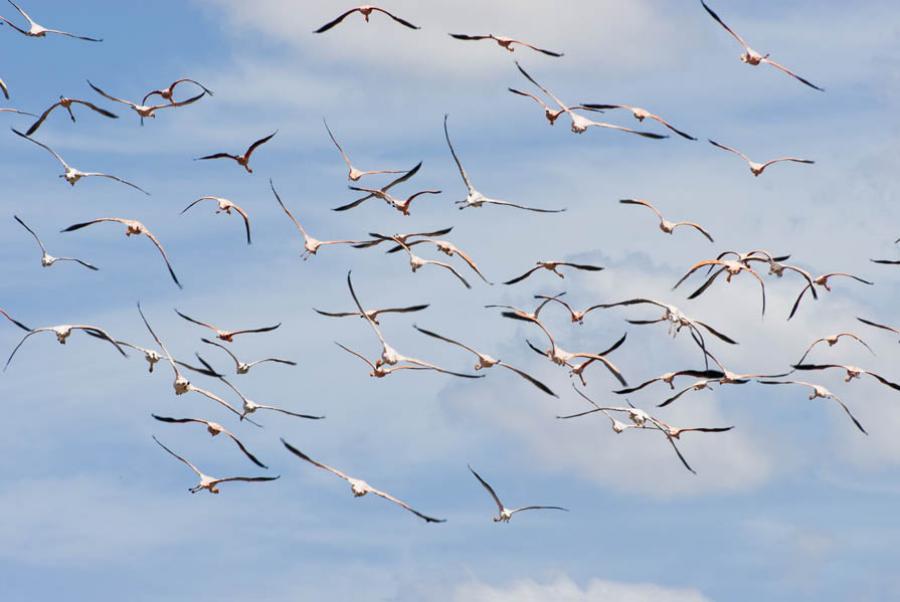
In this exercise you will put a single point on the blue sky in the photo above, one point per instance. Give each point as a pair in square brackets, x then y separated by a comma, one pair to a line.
[793, 504]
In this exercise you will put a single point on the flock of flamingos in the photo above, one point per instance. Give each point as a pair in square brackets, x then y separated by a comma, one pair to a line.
[709, 370]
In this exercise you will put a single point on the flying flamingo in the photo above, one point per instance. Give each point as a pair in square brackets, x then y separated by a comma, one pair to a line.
[818, 391]
[354, 175]
[365, 10]
[757, 168]
[224, 206]
[447, 248]
[752, 57]
[416, 262]
[505, 42]
[833, 340]
[214, 429]
[554, 266]
[67, 103]
[473, 197]
[169, 93]
[372, 314]
[639, 114]
[360, 487]
[146, 110]
[507, 513]
[207, 482]
[485, 361]
[310, 245]
[664, 224]
[242, 160]
[580, 124]
[72, 175]
[47, 259]
[132, 228]
[36, 30]
[63, 332]
[227, 335]
[823, 282]
[242, 367]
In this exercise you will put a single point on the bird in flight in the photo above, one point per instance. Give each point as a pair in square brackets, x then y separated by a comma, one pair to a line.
[823, 282]
[242, 160]
[752, 57]
[486, 361]
[250, 406]
[639, 113]
[63, 332]
[207, 482]
[554, 266]
[730, 268]
[818, 391]
[225, 206]
[372, 314]
[447, 248]
[242, 367]
[169, 93]
[36, 30]
[757, 168]
[416, 262]
[146, 110]
[507, 513]
[365, 10]
[505, 42]
[473, 197]
[360, 487]
[72, 175]
[833, 340]
[227, 335]
[851, 372]
[132, 228]
[354, 175]
[382, 192]
[310, 245]
[214, 429]
[580, 123]
[67, 103]
[47, 259]
[664, 224]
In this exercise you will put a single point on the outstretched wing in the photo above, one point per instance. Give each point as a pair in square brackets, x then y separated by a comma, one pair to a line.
[340, 18]
[396, 18]
[488, 488]
[722, 23]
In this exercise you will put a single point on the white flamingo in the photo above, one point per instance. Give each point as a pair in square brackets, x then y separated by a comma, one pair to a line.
[47, 259]
[752, 57]
[72, 175]
[473, 197]
[36, 30]
[360, 487]
[757, 168]
[353, 174]
[507, 513]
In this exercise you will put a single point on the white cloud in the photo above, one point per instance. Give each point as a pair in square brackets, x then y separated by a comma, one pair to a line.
[600, 35]
[563, 589]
